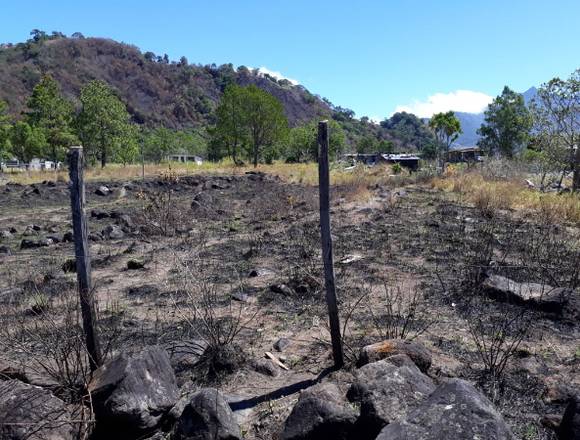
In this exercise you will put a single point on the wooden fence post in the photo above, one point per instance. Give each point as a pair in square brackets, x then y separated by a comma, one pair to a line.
[326, 241]
[83, 259]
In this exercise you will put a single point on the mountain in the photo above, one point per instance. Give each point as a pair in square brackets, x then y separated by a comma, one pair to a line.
[156, 91]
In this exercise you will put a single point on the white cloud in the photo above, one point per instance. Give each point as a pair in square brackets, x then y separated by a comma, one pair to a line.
[460, 101]
[276, 74]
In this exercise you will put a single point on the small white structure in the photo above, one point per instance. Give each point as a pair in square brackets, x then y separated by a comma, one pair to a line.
[43, 164]
[184, 157]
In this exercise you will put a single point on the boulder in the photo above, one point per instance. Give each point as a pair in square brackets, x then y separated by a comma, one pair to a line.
[5, 234]
[390, 347]
[31, 413]
[32, 244]
[102, 191]
[386, 392]
[455, 411]
[99, 213]
[282, 344]
[68, 237]
[185, 355]
[540, 296]
[321, 413]
[570, 425]
[133, 392]
[266, 367]
[207, 416]
[113, 232]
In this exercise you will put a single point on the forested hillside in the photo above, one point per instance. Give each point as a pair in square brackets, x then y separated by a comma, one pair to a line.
[159, 92]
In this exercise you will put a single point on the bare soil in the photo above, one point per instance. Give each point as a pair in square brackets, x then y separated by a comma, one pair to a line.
[254, 239]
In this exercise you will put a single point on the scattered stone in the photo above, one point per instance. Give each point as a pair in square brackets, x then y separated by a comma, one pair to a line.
[320, 413]
[243, 297]
[102, 191]
[56, 238]
[281, 288]
[69, 266]
[5, 250]
[99, 214]
[455, 411]
[349, 259]
[4, 235]
[132, 393]
[387, 392]
[33, 244]
[281, 344]
[95, 236]
[530, 184]
[126, 221]
[552, 421]
[135, 264]
[31, 413]
[381, 350]
[207, 417]
[540, 296]
[265, 367]
[254, 273]
[570, 426]
[113, 232]
[13, 230]
[68, 237]
[185, 355]
[11, 370]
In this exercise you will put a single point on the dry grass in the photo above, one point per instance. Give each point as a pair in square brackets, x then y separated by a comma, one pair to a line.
[303, 173]
[492, 195]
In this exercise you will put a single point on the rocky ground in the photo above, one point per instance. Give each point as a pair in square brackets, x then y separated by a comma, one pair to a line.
[198, 277]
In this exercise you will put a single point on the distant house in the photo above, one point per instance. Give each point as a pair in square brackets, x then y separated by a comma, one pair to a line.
[184, 157]
[464, 154]
[43, 164]
[409, 161]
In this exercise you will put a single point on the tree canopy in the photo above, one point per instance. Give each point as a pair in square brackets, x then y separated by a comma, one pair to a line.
[447, 129]
[103, 123]
[507, 125]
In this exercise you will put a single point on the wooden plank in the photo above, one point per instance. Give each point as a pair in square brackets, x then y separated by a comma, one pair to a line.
[276, 361]
[83, 259]
[326, 242]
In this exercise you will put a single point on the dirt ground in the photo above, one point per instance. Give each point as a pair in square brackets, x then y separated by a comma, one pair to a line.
[247, 248]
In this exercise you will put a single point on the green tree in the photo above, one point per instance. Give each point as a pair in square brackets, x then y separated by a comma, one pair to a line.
[301, 143]
[556, 112]
[51, 112]
[265, 120]
[447, 129]
[507, 124]
[5, 129]
[103, 123]
[231, 132]
[367, 144]
[412, 131]
[250, 119]
[27, 141]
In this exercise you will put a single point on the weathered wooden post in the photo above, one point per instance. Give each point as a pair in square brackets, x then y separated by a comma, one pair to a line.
[326, 240]
[83, 259]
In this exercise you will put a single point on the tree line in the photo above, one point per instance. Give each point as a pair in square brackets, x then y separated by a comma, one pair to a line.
[102, 125]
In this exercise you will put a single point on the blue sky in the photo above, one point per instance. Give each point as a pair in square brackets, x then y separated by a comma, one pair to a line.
[371, 56]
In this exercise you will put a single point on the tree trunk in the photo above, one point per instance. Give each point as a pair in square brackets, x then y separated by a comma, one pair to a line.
[103, 158]
[256, 155]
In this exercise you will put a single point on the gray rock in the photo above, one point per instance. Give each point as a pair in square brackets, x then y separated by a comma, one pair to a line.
[266, 367]
[570, 425]
[4, 234]
[546, 298]
[282, 288]
[95, 236]
[320, 413]
[113, 232]
[5, 250]
[99, 213]
[390, 347]
[387, 392]
[31, 413]
[185, 355]
[133, 392]
[68, 237]
[455, 411]
[32, 244]
[207, 416]
[282, 344]
[102, 191]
